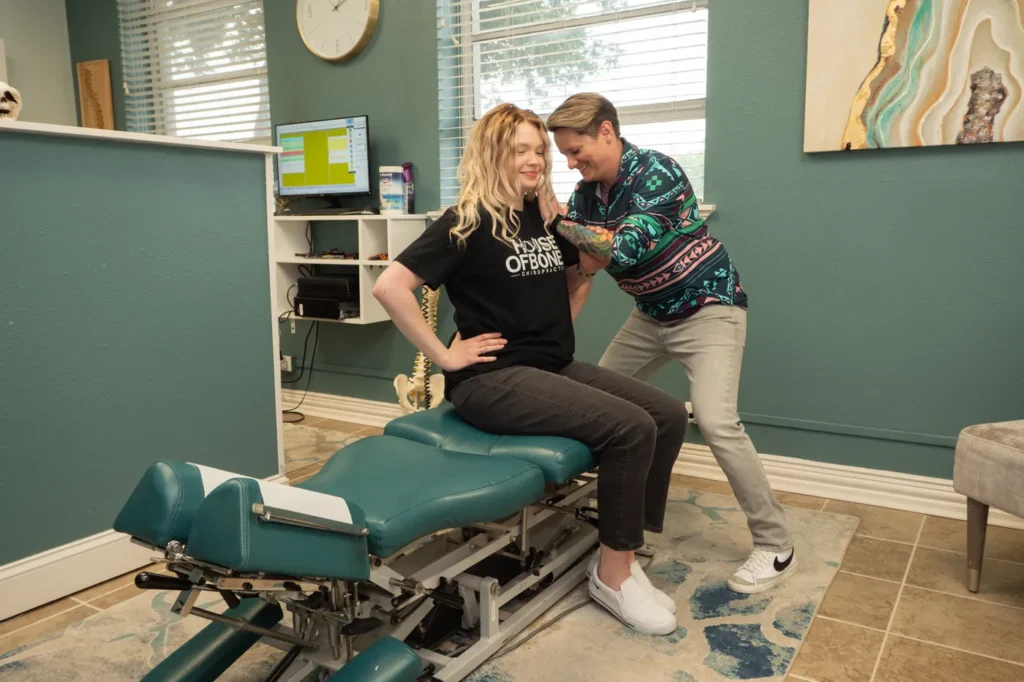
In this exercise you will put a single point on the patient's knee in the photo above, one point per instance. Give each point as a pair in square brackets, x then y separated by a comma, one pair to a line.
[638, 427]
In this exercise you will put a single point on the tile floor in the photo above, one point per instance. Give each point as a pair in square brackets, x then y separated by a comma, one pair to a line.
[897, 612]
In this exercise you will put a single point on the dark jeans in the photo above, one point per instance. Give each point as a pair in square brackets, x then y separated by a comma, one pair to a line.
[634, 429]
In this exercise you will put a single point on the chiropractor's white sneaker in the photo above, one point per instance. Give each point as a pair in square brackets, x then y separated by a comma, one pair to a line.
[666, 602]
[634, 606]
[762, 570]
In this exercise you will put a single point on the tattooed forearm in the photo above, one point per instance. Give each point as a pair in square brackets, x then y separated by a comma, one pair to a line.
[595, 241]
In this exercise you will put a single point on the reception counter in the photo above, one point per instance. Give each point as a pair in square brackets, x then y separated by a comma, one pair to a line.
[135, 325]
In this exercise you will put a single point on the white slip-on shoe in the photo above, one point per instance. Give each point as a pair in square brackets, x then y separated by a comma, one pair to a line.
[634, 606]
[665, 601]
[764, 569]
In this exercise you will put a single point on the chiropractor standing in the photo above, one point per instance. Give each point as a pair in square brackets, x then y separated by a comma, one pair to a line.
[635, 212]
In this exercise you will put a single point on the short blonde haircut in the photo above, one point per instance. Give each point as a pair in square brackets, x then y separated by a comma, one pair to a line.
[483, 180]
[584, 113]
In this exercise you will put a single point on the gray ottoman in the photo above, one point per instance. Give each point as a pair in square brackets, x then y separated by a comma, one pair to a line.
[989, 470]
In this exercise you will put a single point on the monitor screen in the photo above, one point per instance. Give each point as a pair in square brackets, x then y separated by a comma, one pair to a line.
[319, 158]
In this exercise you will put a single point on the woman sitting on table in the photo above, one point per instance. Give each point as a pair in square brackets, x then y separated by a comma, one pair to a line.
[509, 369]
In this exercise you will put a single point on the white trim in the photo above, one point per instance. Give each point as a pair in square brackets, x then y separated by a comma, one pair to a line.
[121, 136]
[67, 569]
[343, 408]
[921, 494]
[76, 566]
[891, 489]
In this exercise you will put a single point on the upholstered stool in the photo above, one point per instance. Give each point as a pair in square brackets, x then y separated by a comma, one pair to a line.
[989, 470]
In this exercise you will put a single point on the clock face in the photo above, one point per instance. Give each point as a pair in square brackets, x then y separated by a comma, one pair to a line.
[336, 29]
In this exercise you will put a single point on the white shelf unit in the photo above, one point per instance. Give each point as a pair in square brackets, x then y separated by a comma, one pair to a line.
[375, 234]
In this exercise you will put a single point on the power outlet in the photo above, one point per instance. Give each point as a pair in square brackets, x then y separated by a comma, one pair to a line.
[286, 363]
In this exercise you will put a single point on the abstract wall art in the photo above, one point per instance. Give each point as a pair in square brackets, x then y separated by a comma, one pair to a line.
[913, 73]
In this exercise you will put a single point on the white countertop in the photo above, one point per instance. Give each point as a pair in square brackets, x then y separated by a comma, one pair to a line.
[121, 136]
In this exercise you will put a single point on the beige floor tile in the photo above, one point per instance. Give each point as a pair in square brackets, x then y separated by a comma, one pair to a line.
[859, 600]
[340, 426]
[879, 522]
[35, 615]
[798, 500]
[112, 585]
[1000, 543]
[877, 558]
[705, 485]
[968, 624]
[1002, 582]
[907, 660]
[304, 473]
[370, 431]
[116, 597]
[44, 628]
[837, 652]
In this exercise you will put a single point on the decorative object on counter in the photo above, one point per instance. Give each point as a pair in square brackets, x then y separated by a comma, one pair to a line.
[10, 102]
[95, 96]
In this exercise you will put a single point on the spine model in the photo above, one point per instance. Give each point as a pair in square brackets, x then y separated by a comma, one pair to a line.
[422, 390]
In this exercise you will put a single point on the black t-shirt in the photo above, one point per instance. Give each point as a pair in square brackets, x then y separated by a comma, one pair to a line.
[520, 291]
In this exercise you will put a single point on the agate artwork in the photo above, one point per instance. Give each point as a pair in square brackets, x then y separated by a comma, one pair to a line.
[913, 73]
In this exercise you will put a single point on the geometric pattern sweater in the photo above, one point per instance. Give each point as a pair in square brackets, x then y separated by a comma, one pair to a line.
[661, 251]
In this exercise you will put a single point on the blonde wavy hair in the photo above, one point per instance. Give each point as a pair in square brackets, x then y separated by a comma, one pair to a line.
[484, 182]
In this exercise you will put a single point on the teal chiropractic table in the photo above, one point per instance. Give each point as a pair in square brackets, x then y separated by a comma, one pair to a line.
[414, 555]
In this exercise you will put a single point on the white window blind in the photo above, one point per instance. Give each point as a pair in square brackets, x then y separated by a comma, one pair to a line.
[649, 57]
[196, 68]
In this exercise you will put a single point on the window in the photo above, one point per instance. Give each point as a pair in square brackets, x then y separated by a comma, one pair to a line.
[649, 57]
[195, 68]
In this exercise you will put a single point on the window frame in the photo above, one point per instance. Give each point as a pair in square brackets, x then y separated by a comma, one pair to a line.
[469, 68]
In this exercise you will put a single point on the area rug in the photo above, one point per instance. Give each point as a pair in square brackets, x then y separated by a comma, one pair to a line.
[721, 636]
[305, 445]
[123, 643]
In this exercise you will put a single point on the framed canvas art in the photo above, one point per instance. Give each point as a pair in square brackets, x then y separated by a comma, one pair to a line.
[913, 73]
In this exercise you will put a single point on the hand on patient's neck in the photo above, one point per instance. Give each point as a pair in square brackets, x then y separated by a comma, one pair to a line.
[613, 567]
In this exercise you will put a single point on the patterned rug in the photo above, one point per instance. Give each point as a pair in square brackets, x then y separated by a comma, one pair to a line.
[305, 445]
[721, 636]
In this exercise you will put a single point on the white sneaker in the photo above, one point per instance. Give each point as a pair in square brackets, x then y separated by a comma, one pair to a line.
[763, 570]
[664, 601]
[634, 606]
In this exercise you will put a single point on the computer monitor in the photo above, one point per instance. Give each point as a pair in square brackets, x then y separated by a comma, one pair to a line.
[324, 158]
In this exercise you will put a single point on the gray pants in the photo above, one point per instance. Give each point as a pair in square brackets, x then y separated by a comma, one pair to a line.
[709, 344]
[634, 430]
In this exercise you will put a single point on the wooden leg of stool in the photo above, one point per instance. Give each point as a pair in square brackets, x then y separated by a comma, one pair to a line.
[977, 524]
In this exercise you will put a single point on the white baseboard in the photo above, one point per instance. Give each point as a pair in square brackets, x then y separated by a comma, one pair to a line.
[343, 408]
[71, 568]
[64, 570]
[922, 494]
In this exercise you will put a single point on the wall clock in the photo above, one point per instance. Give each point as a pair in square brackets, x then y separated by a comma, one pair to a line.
[336, 30]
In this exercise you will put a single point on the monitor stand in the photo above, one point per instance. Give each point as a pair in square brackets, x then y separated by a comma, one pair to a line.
[334, 207]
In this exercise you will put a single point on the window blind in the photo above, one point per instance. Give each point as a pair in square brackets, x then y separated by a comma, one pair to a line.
[195, 68]
[649, 57]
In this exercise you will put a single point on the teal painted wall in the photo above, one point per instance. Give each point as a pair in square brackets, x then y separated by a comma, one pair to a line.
[134, 326]
[93, 34]
[394, 82]
[884, 285]
[871, 337]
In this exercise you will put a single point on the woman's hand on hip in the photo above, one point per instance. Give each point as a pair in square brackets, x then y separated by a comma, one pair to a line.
[465, 352]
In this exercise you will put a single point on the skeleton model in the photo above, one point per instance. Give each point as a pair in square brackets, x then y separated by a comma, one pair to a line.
[423, 390]
[10, 102]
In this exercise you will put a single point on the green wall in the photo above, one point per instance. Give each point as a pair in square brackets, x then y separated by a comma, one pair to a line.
[133, 327]
[883, 311]
[884, 284]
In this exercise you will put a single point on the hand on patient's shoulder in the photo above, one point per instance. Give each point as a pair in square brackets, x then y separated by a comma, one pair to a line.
[465, 352]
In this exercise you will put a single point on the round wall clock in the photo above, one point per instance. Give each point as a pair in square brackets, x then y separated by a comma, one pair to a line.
[336, 30]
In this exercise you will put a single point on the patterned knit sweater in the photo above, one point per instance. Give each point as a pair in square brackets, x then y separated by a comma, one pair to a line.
[661, 252]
